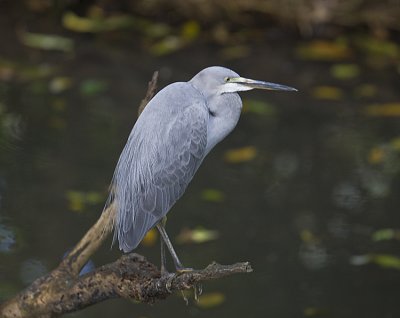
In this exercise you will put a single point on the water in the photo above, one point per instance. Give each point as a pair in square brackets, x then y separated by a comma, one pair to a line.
[324, 179]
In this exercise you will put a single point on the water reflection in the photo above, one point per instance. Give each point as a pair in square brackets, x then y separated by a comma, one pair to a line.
[31, 269]
[324, 178]
[7, 239]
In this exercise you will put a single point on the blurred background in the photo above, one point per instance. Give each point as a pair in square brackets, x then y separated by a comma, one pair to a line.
[306, 188]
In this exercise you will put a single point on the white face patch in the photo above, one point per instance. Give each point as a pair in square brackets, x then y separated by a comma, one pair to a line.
[233, 87]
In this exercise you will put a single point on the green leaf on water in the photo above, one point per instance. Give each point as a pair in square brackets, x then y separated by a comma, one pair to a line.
[383, 260]
[212, 195]
[385, 235]
[386, 260]
[93, 87]
[258, 107]
[345, 71]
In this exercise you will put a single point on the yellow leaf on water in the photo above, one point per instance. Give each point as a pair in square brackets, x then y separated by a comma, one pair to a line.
[76, 200]
[190, 30]
[60, 84]
[324, 50]
[376, 155]
[150, 238]
[197, 235]
[76, 23]
[240, 155]
[210, 300]
[383, 110]
[327, 92]
[308, 237]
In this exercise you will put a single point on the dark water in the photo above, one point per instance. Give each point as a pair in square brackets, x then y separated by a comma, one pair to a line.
[300, 211]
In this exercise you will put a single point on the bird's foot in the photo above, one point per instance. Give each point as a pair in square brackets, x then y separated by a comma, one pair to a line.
[182, 270]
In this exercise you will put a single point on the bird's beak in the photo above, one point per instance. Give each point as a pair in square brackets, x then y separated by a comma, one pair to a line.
[251, 84]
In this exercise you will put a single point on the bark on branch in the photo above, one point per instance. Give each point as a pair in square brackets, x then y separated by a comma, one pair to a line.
[131, 276]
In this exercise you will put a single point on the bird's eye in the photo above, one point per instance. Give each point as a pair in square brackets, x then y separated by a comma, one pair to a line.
[227, 79]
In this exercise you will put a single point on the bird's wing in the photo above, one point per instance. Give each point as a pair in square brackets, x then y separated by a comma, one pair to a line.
[155, 168]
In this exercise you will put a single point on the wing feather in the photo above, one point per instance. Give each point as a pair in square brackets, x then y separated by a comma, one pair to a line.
[163, 152]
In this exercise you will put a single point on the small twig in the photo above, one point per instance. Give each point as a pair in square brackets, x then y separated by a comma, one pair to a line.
[151, 91]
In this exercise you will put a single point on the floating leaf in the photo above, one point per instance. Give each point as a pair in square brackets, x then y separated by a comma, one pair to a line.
[383, 110]
[324, 50]
[197, 235]
[240, 155]
[359, 260]
[210, 300]
[327, 92]
[385, 235]
[60, 84]
[386, 260]
[190, 30]
[380, 47]
[75, 23]
[10, 69]
[92, 87]
[376, 155]
[258, 107]
[150, 238]
[46, 41]
[345, 71]
[308, 237]
[167, 45]
[212, 195]
[383, 260]
[78, 200]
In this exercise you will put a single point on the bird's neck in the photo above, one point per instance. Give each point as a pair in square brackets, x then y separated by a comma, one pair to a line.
[225, 111]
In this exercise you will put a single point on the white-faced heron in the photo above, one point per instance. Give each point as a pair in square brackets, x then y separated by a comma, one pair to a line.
[168, 143]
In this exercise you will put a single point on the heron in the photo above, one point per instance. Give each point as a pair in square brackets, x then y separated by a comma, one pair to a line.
[179, 126]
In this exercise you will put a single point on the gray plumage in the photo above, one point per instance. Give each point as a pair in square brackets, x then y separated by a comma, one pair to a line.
[169, 141]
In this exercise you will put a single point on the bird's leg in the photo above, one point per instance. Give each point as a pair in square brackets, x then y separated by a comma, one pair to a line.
[178, 265]
[163, 256]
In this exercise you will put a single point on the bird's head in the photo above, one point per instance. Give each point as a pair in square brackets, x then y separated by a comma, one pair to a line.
[220, 80]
